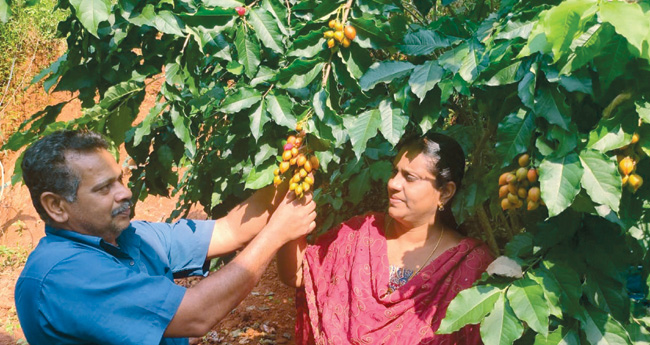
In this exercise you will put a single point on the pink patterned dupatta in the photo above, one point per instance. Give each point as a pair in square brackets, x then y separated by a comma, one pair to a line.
[344, 298]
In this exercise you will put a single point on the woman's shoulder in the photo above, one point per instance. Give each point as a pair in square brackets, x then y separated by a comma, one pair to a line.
[371, 222]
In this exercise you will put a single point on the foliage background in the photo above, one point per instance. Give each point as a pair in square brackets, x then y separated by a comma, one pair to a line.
[564, 81]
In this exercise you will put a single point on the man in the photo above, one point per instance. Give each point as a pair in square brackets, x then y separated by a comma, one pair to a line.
[98, 278]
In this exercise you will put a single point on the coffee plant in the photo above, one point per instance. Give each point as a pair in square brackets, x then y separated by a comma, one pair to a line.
[564, 82]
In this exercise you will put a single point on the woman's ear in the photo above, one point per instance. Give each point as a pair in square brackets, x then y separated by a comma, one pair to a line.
[447, 192]
[53, 205]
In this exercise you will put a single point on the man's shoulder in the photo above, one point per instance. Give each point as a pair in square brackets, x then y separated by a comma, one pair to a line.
[50, 253]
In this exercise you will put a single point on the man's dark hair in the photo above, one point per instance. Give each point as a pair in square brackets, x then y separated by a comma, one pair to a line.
[45, 168]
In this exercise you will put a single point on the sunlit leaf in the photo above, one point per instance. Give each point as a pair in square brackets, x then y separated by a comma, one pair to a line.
[559, 179]
[91, 13]
[266, 29]
[384, 72]
[501, 327]
[527, 300]
[469, 307]
[601, 179]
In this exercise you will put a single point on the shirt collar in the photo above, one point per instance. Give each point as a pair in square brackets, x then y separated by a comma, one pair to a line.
[125, 238]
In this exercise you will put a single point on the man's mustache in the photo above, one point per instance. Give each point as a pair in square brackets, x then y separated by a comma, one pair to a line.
[125, 206]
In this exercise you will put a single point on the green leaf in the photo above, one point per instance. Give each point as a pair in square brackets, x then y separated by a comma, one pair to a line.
[5, 11]
[601, 179]
[469, 64]
[359, 185]
[613, 132]
[607, 294]
[505, 76]
[167, 22]
[393, 122]
[116, 93]
[469, 307]
[371, 33]
[279, 106]
[260, 176]
[258, 118]
[224, 3]
[243, 98]
[630, 21]
[382, 72]
[266, 28]
[643, 109]
[527, 300]
[309, 45]
[561, 336]
[248, 51]
[551, 106]
[423, 42]
[514, 135]
[91, 13]
[601, 328]
[144, 128]
[299, 81]
[362, 128]
[559, 280]
[587, 46]
[501, 327]
[515, 29]
[215, 18]
[612, 65]
[357, 60]
[425, 77]
[559, 179]
[182, 130]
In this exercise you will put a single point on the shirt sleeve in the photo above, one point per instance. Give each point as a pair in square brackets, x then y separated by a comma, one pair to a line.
[185, 243]
[107, 303]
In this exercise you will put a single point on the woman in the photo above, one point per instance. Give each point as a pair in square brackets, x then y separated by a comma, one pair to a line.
[388, 279]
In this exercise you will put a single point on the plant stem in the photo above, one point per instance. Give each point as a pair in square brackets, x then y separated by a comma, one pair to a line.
[485, 223]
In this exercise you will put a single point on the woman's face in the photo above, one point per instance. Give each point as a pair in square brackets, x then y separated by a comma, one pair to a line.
[413, 196]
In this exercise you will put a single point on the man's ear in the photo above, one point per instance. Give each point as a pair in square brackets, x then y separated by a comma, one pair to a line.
[447, 192]
[53, 205]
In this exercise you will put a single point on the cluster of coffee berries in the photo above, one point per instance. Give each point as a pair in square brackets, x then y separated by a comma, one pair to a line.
[628, 157]
[296, 154]
[519, 186]
[339, 34]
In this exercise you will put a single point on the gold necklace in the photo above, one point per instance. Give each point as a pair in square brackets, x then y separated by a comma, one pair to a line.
[442, 233]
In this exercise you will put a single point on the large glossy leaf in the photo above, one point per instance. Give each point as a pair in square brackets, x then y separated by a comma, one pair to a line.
[248, 51]
[612, 133]
[469, 64]
[559, 179]
[550, 105]
[630, 21]
[586, 46]
[393, 122]
[5, 11]
[91, 13]
[559, 280]
[181, 124]
[260, 176]
[243, 98]
[258, 118]
[361, 128]
[612, 65]
[507, 75]
[501, 327]
[469, 307]
[308, 46]
[384, 72]
[515, 29]
[514, 134]
[602, 329]
[527, 300]
[601, 179]
[266, 29]
[423, 42]
[425, 77]
[561, 336]
[299, 81]
[643, 109]
[370, 32]
[279, 106]
[607, 294]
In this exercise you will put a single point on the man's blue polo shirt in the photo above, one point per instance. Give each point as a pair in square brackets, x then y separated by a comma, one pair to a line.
[79, 289]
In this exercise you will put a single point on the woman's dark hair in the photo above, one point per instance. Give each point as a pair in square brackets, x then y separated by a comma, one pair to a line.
[448, 164]
[45, 168]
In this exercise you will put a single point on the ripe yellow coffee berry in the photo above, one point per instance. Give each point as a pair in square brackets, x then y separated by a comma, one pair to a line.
[328, 34]
[635, 138]
[524, 160]
[521, 174]
[534, 194]
[331, 43]
[309, 180]
[532, 205]
[532, 175]
[503, 191]
[339, 36]
[276, 172]
[635, 182]
[345, 43]
[338, 26]
[626, 165]
[302, 173]
[284, 166]
[332, 23]
[307, 166]
[314, 162]
[305, 187]
[286, 155]
[301, 160]
[505, 204]
[350, 32]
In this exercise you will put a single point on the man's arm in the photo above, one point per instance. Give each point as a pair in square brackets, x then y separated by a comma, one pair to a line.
[214, 297]
[289, 261]
[246, 220]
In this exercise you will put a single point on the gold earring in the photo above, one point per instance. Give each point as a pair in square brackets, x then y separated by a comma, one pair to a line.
[441, 207]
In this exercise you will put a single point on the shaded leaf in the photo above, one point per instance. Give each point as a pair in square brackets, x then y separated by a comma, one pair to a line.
[527, 300]
[266, 28]
[243, 98]
[425, 77]
[257, 120]
[382, 72]
[248, 51]
[600, 328]
[423, 42]
[393, 122]
[514, 135]
[361, 128]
